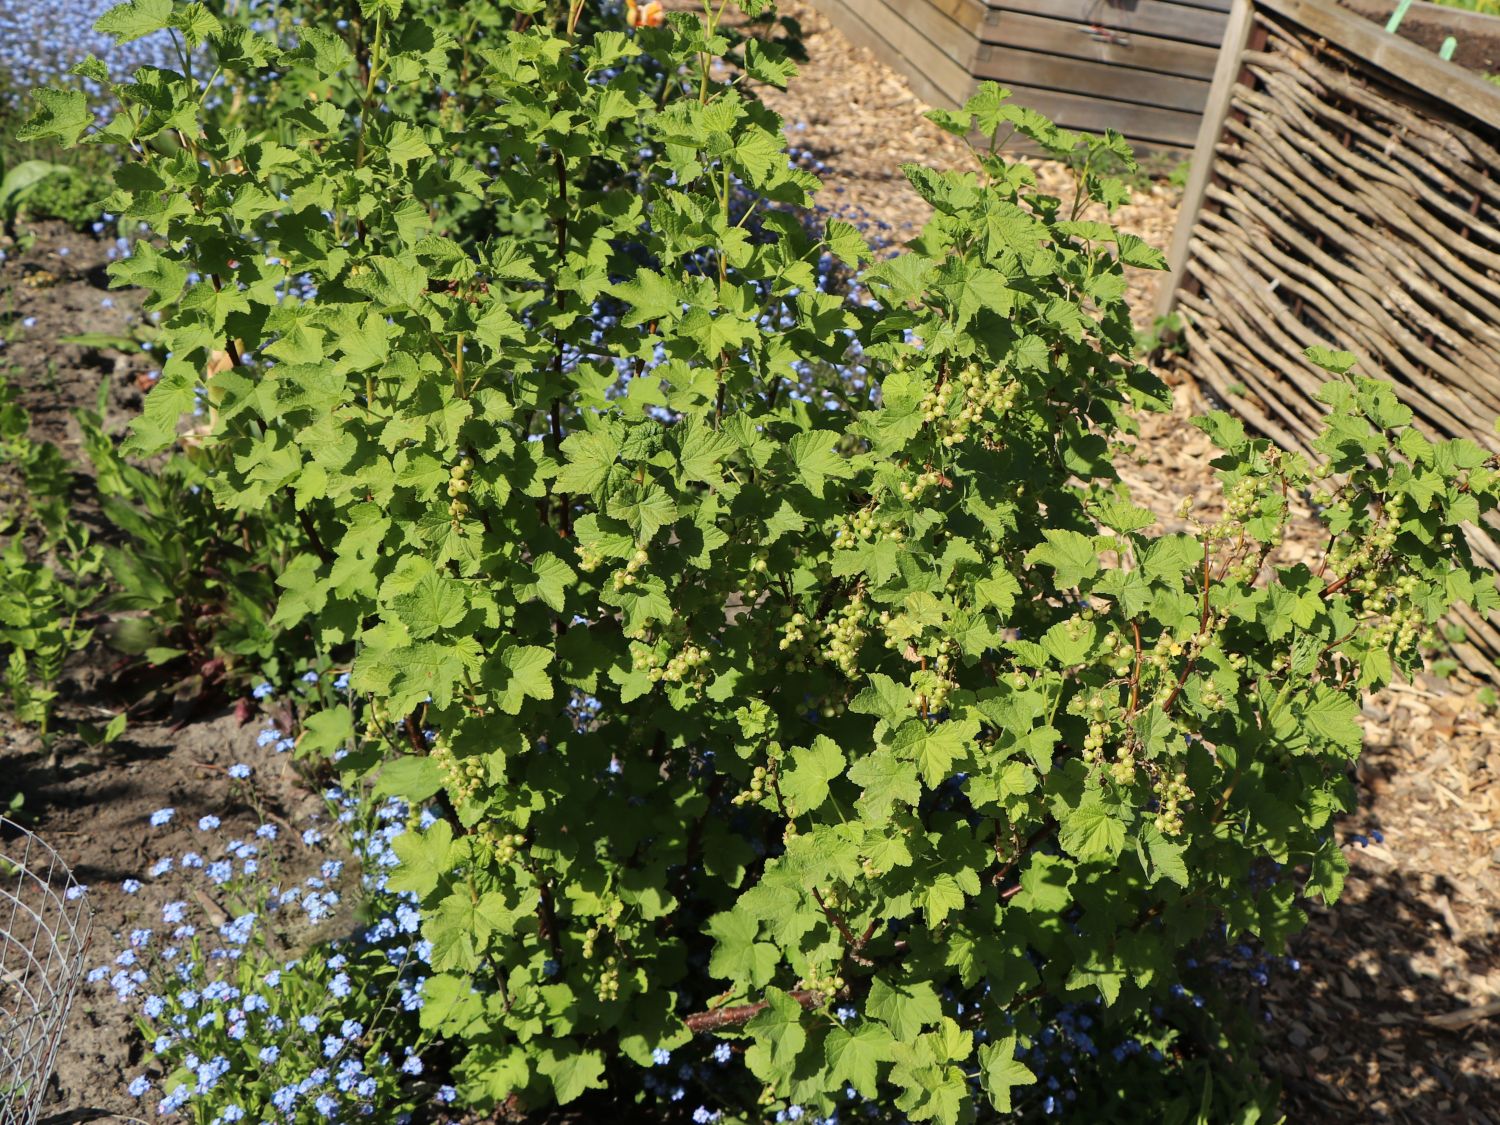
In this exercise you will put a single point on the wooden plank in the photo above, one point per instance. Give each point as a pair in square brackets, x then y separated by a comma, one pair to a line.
[1226, 76]
[968, 14]
[1106, 6]
[1102, 80]
[946, 62]
[934, 77]
[1144, 17]
[924, 19]
[1148, 127]
[1421, 69]
[1080, 41]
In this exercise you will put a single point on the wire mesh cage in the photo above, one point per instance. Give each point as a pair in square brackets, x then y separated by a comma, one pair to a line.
[44, 927]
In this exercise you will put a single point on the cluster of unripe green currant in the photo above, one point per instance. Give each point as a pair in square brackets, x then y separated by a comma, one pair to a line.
[846, 635]
[458, 488]
[932, 685]
[626, 577]
[609, 977]
[829, 983]
[1099, 707]
[761, 780]
[684, 666]
[800, 639]
[913, 490]
[461, 777]
[1362, 563]
[503, 845]
[978, 393]
[866, 526]
[1171, 793]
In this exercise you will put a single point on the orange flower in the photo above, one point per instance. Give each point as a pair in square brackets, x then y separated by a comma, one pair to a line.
[650, 14]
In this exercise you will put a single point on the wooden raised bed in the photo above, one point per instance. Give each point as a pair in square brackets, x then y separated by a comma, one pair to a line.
[1141, 67]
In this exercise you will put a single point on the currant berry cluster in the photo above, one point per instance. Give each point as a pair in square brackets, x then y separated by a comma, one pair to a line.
[461, 777]
[504, 845]
[1172, 791]
[799, 640]
[864, 526]
[912, 491]
[846, 636]
[458, 487]
[760, 783]
[829, 983]
[986, 393]
[625, 578]
[607, 925]
[609, 979]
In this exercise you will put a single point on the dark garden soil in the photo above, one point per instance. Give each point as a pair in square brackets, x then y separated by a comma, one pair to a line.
[95, 805]
[1428, 25]
[1393, 1017]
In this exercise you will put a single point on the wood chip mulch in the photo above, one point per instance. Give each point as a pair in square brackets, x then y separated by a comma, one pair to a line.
[1395, 1014]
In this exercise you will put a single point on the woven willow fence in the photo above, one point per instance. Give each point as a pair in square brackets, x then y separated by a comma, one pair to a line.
[1344, 193]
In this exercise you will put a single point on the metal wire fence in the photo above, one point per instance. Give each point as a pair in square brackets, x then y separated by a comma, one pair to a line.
[44, 927]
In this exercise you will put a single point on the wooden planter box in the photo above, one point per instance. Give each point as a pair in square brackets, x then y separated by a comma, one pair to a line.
[1141, 67]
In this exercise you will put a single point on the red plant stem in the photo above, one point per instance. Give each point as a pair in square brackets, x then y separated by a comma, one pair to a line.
[700, 1023]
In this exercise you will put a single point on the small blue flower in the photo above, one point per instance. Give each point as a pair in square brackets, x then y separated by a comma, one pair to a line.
[139, 1085]
[661, 1056]
[239, 771]
[161, 817]
[208, 823]
[130, 886]
[263, 691]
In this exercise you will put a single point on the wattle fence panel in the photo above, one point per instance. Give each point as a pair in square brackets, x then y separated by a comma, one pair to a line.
[1344, 192]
